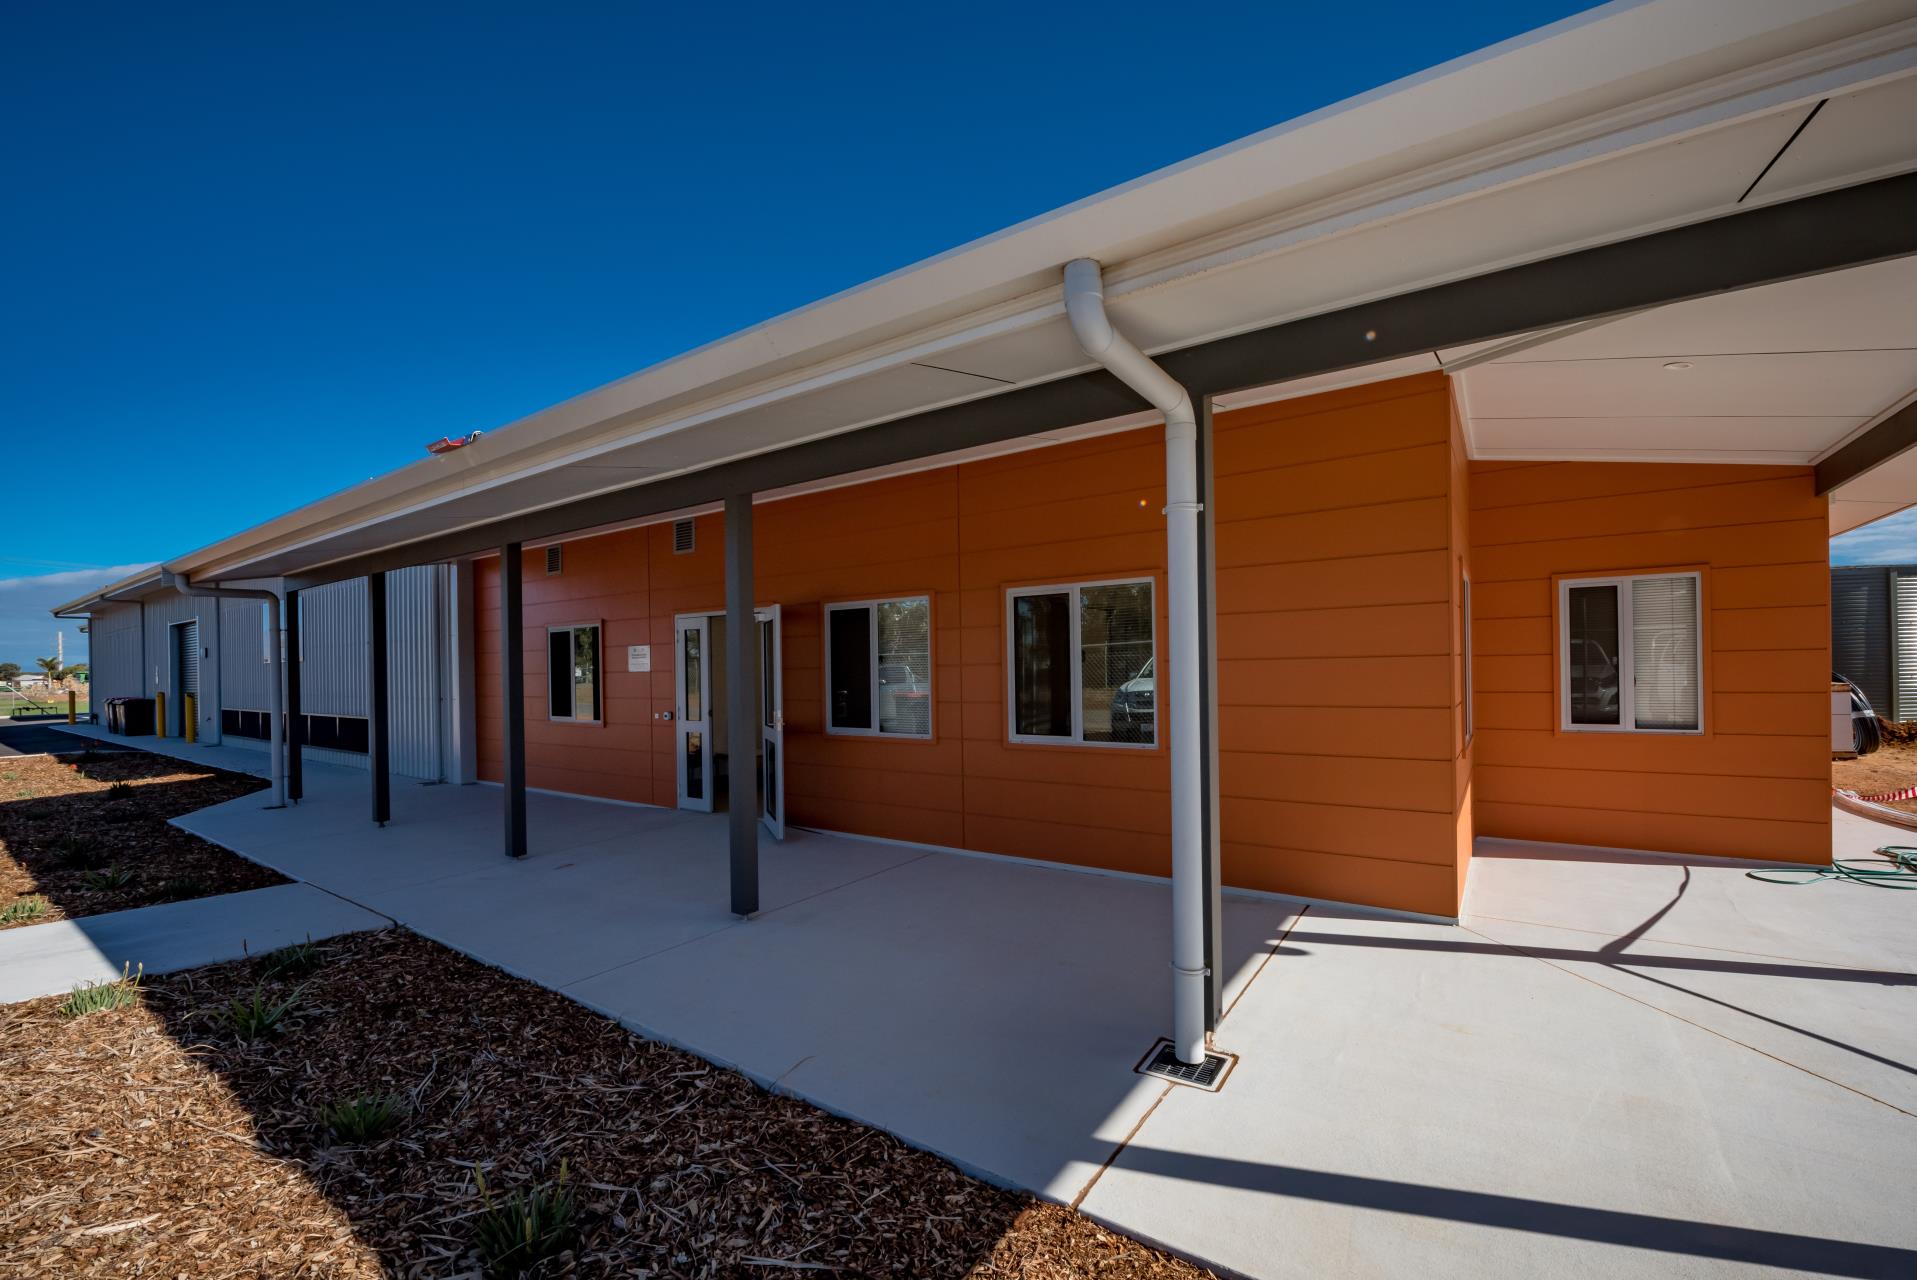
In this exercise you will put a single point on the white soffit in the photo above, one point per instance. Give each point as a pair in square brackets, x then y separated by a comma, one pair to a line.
[1778, 374]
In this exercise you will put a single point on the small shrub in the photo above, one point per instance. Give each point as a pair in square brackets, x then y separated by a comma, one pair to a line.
[31, 907]
[120, 791]
[108, 878]
[522, 1230]
[295, 961]
[366, 1117]
[255, 1017]
[76, 854]
[98, 997]
[179, 887]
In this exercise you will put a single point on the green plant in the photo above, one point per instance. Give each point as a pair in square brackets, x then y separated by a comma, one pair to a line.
[255, 1017]
[98, 997]
[188, 886]
[295, 961]
[523, 1229]
[108, 878]
[76, 853]
[31, 907]
[364, 1117]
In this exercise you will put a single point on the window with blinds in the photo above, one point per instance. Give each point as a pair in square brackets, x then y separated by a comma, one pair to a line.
[1630, 654]
[1081, 664]
[878, 667]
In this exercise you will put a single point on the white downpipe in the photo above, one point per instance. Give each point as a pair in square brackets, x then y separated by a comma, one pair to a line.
[1085, 305]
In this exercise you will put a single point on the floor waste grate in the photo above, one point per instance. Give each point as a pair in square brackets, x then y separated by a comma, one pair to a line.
[1209, 1075]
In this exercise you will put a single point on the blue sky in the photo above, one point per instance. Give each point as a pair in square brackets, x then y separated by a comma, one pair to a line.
[255, 254]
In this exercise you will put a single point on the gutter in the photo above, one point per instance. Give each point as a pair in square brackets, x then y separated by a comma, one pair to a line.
[1085, 306]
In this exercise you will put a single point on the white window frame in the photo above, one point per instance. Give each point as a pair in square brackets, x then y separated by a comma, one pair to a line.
[1626, 657]
[872, 639]
[1077, 738]
[599, 679]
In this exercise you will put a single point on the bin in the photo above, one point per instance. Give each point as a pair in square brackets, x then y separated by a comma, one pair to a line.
[115, 721]
[136, 717]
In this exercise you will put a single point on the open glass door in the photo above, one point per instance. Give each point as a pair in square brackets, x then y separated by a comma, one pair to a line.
[693, 709]
[771, 723]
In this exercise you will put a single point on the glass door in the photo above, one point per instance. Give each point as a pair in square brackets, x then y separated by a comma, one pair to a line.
[771, 723]
[693, 709]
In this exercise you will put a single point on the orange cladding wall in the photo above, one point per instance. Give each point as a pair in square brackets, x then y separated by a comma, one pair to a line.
[962, 535]
[1756, 782]
[1341, 532]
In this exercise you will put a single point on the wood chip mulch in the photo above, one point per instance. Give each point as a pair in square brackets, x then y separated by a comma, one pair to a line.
[151, 1141]
[66, 835]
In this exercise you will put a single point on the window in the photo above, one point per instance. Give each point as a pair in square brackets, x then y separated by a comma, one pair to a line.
[572, 672]
[1082, 664]
[1631, 654]
[878, 667]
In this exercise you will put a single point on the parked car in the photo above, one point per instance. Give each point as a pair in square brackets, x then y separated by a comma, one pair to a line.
[905, 702]
[1865, 735]
[1134, 706]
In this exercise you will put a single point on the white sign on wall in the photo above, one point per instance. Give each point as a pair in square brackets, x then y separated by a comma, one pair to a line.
[638, 657]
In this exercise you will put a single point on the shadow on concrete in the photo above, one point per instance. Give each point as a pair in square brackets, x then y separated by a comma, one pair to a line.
[1816, 1255]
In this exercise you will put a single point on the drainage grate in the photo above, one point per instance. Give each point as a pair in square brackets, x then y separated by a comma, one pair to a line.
[1208, 1075]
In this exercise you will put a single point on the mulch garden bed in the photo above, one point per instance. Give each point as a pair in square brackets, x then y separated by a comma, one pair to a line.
[158, 1140]
[87, 833]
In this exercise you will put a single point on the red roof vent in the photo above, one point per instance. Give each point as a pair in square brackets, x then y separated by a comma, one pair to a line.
[446, 444]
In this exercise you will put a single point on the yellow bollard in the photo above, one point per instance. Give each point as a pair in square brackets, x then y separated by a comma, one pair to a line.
[187, 719]
[159, 714]
[72, 716]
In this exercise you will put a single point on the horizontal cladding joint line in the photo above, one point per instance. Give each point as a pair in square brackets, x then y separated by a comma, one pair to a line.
[1625, 495]
[1654, 532]
[1852, 226]
[1362, 806]
[1620, 809]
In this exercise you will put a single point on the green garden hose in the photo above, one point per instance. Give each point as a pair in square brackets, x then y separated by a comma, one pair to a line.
[1898, 871]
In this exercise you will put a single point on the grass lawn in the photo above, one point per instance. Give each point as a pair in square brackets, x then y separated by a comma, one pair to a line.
[82, 836]
[10, 701]
[160, 1140]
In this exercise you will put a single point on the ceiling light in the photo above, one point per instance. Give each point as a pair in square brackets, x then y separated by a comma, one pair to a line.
[1677, 366]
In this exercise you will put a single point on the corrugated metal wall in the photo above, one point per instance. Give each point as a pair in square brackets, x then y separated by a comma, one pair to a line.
[113, 654]
[1903, 591]
[333, 627]
[245, 677]
[162, 612]
[1860, 646]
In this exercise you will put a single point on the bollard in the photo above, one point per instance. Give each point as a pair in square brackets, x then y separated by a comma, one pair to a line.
[72, 716]
[159, 714]
[189, 722]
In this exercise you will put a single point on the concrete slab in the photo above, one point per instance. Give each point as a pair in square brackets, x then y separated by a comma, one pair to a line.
[53, 958]
[988, 1010]
[1425, 1111]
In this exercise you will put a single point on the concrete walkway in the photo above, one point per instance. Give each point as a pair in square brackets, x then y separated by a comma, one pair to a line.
[48, 738]
[1617, 1066]
[53, 958]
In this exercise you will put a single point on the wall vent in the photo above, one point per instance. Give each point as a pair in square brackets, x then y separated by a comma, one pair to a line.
[553, 560]
[681, 537]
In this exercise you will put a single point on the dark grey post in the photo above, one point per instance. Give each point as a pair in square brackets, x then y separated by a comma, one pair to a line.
[1208, 721]
[512, 690]
[742, 705]
[295, 721]
[377, 756]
